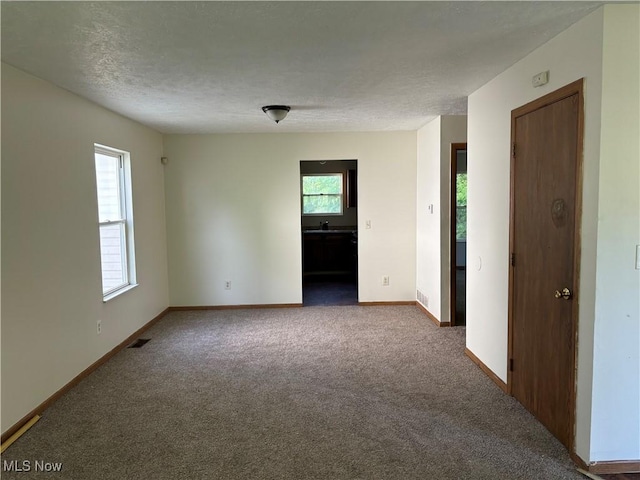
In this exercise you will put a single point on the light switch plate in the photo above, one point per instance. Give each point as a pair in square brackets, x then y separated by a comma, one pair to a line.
[637, 257]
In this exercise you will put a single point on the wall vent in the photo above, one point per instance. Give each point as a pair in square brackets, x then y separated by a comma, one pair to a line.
[422, 298]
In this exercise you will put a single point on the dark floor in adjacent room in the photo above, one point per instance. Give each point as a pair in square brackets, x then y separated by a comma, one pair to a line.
[333, 290]
[461, 296]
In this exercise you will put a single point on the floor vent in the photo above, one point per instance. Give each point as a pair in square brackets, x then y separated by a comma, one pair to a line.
[139, 343]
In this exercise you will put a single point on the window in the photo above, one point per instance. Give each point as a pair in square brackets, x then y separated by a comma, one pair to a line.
[322, 194]
[115, 217]
[461, 206]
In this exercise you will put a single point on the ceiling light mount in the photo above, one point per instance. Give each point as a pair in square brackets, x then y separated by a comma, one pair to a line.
[276, 112]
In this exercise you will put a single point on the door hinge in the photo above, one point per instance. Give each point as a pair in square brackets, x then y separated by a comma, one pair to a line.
[511, 364]
[513, 150]
[513, 259]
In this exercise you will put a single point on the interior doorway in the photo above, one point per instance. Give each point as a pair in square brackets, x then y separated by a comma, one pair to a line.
[329, 232]
[458, 246]
[544, 241]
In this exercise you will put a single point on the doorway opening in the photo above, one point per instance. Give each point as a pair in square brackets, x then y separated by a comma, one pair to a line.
[458, 246]
[329, 232]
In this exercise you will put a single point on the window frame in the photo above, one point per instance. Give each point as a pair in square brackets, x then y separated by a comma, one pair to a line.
[124, 220]
[341, 194]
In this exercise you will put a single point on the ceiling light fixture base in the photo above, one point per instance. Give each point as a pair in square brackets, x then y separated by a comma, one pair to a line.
[276, 113]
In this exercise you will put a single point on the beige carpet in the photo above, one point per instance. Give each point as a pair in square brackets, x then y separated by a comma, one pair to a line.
[305, 393]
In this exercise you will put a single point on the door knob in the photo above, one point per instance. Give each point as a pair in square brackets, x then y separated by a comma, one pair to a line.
[565, 293]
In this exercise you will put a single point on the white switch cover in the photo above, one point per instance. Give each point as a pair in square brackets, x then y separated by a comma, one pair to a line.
[637, 257]
[367, 224]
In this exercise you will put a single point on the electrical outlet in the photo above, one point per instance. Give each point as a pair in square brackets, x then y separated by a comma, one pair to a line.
[99, 327]
[385, 281]
[227, 285]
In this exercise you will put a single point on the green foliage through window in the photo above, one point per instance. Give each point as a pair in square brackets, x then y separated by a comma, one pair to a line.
[461, 206]
[322, 194]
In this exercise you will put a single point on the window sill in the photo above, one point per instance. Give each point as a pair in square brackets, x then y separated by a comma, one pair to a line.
[113, 295]
[322, 214]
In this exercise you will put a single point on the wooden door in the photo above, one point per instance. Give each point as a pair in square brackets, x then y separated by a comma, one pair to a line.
[545, 192]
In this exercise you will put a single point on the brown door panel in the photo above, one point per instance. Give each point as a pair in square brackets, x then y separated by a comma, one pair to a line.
[543, 216]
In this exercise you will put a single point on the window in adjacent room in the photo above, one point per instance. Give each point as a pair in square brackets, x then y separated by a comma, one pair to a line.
[115, 217]
[461, 206]
[322, 194]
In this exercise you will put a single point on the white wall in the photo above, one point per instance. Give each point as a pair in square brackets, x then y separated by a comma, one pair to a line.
[233, 213]
[575, 53]
[604, 49]
[433, 227]
[616, 361]
[51, 281]
[428, 243]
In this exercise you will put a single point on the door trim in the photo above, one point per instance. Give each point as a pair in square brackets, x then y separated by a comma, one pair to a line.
[452, 228]
[574, 88]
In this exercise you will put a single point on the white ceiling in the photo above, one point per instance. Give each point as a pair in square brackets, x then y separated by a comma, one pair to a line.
[204, 67]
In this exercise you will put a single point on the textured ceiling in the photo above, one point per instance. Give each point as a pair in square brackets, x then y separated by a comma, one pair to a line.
[201, 67]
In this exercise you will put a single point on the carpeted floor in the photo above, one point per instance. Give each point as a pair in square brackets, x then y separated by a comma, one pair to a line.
[303, 393]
